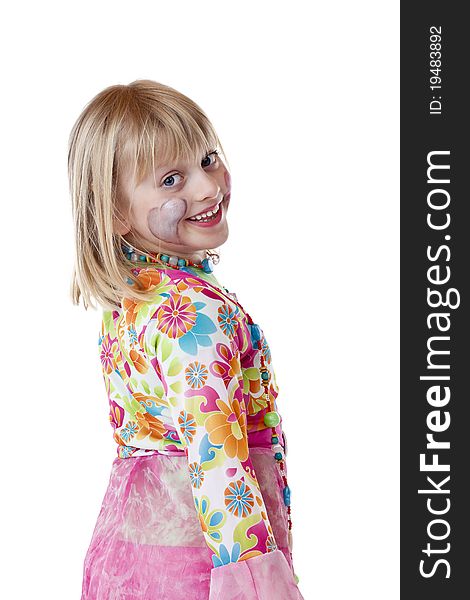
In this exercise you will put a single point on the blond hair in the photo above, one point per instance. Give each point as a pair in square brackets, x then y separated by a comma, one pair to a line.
[124, 126]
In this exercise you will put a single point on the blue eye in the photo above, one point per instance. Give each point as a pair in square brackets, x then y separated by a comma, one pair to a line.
[214, 154]
[170, 177]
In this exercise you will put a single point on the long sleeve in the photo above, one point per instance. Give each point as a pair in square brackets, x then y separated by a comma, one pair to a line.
[198, 362]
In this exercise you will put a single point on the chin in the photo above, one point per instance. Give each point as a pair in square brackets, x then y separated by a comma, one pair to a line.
[221, 241]
[214, 242]
[209, 239]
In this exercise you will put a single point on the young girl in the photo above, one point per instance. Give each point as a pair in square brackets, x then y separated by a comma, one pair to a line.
[198, 504]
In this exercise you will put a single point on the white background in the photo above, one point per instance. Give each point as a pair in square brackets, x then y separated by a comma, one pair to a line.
[304, 96]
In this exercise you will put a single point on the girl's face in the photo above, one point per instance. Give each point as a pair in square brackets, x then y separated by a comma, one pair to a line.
[162, 207]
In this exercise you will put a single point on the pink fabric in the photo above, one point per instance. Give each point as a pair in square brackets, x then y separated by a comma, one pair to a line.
[270, 576]
[137, 550]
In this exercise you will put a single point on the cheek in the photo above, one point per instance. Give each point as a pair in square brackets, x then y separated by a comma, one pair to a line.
[163, 220]
[228, 181]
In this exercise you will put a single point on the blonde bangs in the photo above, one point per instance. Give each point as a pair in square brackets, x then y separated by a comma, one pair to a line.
[131, 128]
[170, 139]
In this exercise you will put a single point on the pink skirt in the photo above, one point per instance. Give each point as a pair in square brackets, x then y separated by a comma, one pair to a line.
[148, 544]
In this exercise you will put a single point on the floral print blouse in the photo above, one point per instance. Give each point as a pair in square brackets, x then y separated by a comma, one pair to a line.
[181, 375]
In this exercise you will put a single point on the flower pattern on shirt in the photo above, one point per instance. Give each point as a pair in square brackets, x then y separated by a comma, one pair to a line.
[181, 374]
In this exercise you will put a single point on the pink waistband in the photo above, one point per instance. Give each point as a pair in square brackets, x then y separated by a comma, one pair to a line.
[182, 453]
[256, 440]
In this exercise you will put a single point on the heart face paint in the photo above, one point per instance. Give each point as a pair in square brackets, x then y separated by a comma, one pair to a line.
[163, 220]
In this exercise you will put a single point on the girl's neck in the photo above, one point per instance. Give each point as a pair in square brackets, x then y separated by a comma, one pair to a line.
[197, 256]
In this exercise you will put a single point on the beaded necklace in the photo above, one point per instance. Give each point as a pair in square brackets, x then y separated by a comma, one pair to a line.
[271, 418]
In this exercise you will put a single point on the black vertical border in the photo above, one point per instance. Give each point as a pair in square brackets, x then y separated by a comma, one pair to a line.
[421, 133]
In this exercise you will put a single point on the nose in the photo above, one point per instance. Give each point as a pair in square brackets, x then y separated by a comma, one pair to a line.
[206, 187]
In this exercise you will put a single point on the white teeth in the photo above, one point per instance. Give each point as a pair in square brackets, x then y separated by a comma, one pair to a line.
[206, 215]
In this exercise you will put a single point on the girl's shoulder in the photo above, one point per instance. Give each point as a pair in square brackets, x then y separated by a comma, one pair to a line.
[177, 294]
[162, 282]
[182, 309]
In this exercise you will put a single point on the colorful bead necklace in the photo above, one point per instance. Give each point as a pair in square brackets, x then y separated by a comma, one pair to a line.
[168, 260]
[271, 418]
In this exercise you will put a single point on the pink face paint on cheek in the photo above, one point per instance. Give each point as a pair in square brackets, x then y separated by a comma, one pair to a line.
[163, 220]
[228, 183]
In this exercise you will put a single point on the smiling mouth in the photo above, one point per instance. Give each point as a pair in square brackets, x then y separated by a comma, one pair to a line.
[207, 215]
